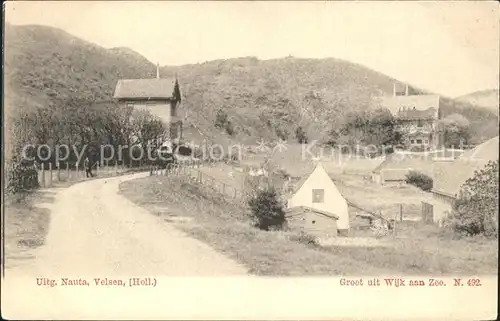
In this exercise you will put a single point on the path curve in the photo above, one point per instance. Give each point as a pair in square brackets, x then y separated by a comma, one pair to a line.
[97, 232]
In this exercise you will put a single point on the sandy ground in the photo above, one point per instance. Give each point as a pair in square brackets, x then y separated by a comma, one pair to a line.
[96, 232]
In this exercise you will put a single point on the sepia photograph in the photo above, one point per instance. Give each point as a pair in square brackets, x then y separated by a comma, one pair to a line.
[157, 154]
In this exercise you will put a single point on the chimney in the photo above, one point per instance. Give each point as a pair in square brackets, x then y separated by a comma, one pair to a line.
[157, 71]
[406, 91]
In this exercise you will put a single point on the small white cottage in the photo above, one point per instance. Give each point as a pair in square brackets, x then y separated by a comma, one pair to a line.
[317, 191]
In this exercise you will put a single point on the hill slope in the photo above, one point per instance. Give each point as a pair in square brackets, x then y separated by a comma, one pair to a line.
[262, 99]
[265, 97]
[485, 98]
[44, 62]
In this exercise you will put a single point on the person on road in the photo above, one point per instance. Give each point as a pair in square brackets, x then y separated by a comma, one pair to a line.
[88, 167]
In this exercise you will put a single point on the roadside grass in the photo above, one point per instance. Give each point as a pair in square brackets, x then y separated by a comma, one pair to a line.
[434, 256]
[226, 227]
[26, 225]
[418, 249]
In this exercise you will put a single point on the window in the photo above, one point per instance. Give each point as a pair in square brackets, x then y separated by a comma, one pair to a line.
[318, 195]
[426, 141]
[412, 141]
[420, 123]
[419, 141]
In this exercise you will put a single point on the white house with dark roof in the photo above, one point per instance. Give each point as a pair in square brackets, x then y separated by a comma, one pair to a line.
[316, 195]
[449, 176]
[160, 96]
[416, 117]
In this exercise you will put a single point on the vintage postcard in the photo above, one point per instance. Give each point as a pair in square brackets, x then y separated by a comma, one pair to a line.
[278, 160]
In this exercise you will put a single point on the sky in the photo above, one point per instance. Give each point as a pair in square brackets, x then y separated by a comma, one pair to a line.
[447, 47]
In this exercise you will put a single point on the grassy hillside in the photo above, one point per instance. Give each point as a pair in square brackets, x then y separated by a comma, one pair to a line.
[486, 98]
[262, 99]
[483, 121]
[47, 62]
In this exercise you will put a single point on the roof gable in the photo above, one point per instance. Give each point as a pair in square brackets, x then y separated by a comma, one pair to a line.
[162, 88]
[416, 106]
[317, 172]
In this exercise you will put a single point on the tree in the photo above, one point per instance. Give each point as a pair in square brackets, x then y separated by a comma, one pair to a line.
[420, 180]
[456, 130]
[266, 209]
[381, 129]
[301, 135]
[476, 209]
[222, 122]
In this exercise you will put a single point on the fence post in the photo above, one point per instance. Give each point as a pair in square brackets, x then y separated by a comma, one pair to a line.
[107, 166]
[401, 212]
[395, 225]
[42, 183]
[116, 167]
[77, 174]
[67, 171]
[97, 168]
[58, 171]
[23, 182]
[50, 174]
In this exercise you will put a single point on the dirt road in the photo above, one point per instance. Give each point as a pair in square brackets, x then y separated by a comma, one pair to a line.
[96, 232]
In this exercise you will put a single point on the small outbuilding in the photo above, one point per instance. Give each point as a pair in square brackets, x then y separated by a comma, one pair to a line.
[313, 221]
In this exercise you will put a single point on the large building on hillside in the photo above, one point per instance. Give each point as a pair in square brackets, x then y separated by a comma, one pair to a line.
[416, 117]
[450, 175]
[160, 96]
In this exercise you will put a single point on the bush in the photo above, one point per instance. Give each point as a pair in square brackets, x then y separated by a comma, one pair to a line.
[266, 210]
[21, 177]
[222, 122]
[420, 180]
[184, 150]
[475, 212]
[301, 135]
[304, 238]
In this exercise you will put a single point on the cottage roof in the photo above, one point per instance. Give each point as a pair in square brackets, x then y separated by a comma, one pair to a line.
[450, 176]
[304, 178]
[162, 88]
[412, 106]
[417, 114]
[302, 209]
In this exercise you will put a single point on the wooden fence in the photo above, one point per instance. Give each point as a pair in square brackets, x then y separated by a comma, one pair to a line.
[191, 171]
[48, 175]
